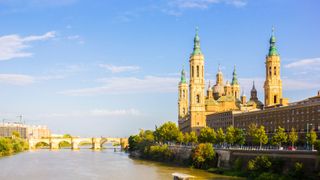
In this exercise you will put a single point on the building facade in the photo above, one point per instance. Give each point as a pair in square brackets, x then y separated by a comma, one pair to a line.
[223, 106]
[25, 131]
[194, 104]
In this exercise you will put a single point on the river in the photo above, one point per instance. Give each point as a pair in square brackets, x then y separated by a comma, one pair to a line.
[65, 164]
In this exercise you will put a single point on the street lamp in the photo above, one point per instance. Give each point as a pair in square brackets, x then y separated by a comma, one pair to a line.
[308, 124]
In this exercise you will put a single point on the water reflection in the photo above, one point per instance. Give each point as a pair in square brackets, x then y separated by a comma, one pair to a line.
[85, 164]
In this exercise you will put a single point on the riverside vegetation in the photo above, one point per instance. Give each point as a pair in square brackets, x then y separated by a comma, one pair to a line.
[12, 145]
[155, 145]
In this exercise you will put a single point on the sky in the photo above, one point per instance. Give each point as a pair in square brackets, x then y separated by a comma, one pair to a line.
[109, 68]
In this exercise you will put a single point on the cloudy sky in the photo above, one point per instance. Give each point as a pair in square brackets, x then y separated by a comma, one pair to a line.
[108, 68]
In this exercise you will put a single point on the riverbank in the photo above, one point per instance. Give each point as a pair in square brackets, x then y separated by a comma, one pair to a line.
[167, 144]
[13, 145]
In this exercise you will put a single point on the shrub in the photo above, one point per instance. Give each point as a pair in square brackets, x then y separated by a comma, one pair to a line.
[268, 176]
[202, 156]
[237, 164]
[259, 164]
[159, 152]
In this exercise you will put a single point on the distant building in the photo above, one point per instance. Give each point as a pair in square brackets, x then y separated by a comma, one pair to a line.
[25, 131]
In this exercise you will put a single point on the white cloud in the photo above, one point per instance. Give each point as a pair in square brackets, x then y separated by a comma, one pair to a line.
[204, 4]
[311, 63]
[128, 85]
[119, 69]
[13, 46]
[16, 79]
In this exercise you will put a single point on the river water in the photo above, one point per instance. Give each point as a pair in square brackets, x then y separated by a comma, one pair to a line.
[65, 164]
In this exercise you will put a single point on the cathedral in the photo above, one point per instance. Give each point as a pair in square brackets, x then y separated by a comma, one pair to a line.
[196, 102]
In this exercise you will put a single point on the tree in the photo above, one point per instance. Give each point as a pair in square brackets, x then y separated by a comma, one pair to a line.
[312, 137]
[220, 136]
[67, 136]
[279, 137]
[167, 132]
[293, 136]
[180, 137]
[133, 142]
[186, 138]
[203, 155]
[258, 134]
[193, 137]
[15, 134]
[147, 135]
[230, 135]
[207, 135]
[240, 136]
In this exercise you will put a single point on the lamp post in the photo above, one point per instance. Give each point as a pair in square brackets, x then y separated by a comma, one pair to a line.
[308, 124]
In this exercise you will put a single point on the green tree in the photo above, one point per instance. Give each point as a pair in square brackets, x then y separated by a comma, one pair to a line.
[147, 135]
[186, 138]
[180, 137]
[193, 138]
[259, 164]
[207, 135]
[220, 136]
[312, 137]
[134, 142]
[230, 135]
[203, 155]
[6, 146]
[240, 136]
[167, 132]
[293, 136]
[67, 136]
[15, 134]
[279, 137]
[258, 134]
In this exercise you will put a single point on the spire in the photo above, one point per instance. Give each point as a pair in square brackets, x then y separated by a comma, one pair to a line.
[234, 77]
[196, 48]
[183, 76]
[209, 86]
[272, 48]
[253, 87]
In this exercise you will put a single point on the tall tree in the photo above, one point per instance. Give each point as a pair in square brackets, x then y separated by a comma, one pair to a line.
[240, 136]
[279, 137]
[180, 137]
[312, 137]
[220, 136]
[207, 135]
[293, 136]
[258, 134]
[186, 138]
[167, 132]
[230, 135]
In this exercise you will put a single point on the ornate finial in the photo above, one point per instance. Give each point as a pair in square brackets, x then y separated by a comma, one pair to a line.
[219, 68]
[253, 86]
[272, 48]
[209, 85]
[234, 77]
[183, 75]
[196, 48]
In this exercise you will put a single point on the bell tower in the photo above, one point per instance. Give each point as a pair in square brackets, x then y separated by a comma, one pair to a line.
[197, 87]
[183, 96]
[273, 83]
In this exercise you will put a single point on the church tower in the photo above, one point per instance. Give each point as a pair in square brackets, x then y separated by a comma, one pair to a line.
[183, 96]
[273, 83]
[197, 87]
[235, 84]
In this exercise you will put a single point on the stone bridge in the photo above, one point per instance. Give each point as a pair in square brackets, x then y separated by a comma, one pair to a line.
[97, 143]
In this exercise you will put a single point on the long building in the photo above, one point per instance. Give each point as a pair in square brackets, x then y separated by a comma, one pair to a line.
[222, 105]
[25, 131]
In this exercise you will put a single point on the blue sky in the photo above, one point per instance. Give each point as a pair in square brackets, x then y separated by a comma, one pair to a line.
[108, 68]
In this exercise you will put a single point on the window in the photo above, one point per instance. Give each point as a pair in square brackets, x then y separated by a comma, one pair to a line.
[198, 98]
[183, 94]
[275, 70]
[184, 110]
[192, 71]
[198, 71]
[270, 71]
[275, 99]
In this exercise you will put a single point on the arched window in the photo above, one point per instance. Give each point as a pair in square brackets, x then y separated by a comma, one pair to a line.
[275, 70]
[183, 94]
[198, 98]
[270, 71]
[184, 110]
[198, 74]
[275, 99]
[192, 71]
